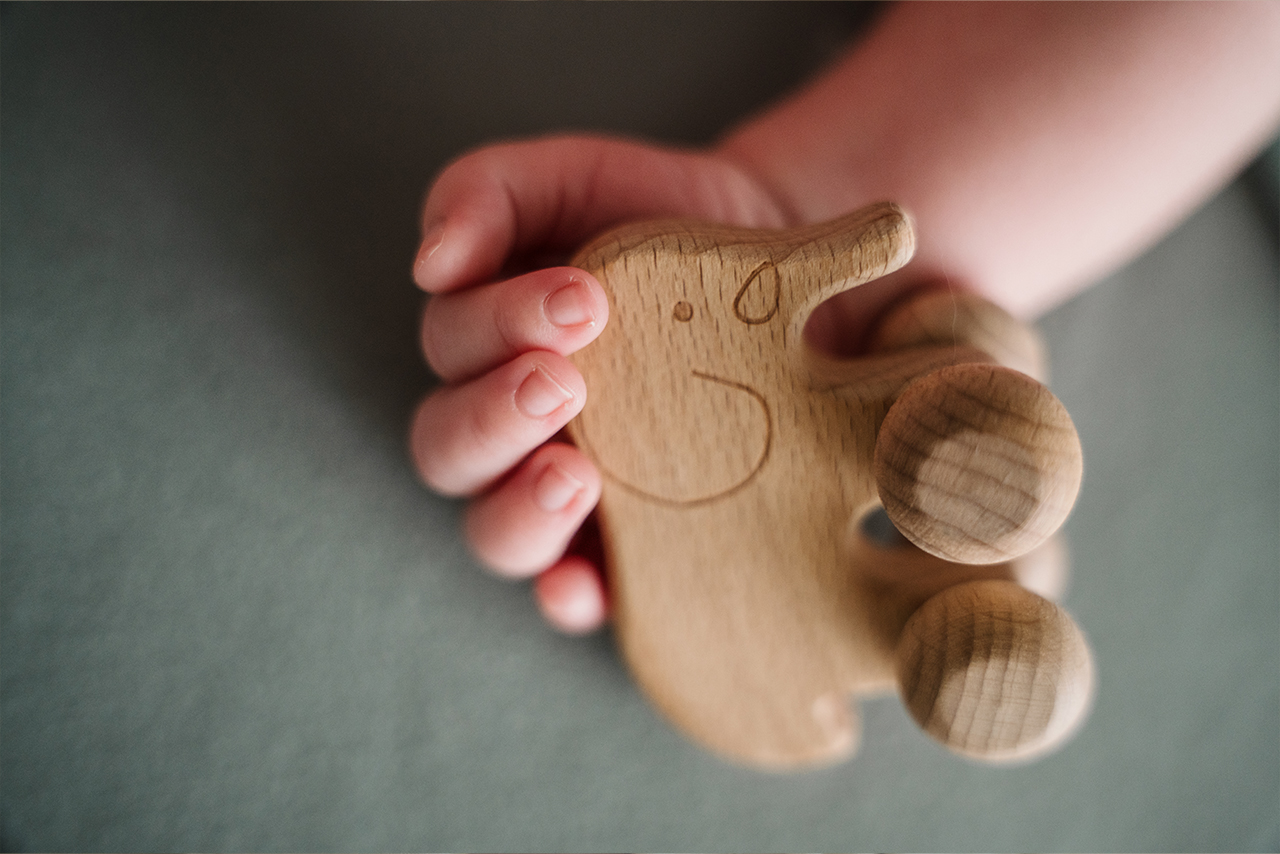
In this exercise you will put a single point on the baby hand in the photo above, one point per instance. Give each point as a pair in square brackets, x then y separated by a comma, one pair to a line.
[499, 341]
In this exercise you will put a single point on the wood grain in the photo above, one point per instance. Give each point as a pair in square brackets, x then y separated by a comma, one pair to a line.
[978, 463]
[994, 671]
[739, 465]
[944, 317]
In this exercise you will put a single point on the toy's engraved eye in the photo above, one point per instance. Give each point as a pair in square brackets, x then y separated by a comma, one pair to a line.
[683, 312]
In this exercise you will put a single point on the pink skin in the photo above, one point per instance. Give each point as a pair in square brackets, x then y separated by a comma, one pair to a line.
[571, 597]
[524, 526]
[486, 339]
[1037, 145]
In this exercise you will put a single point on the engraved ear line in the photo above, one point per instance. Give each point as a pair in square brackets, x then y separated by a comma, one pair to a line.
[757, 300]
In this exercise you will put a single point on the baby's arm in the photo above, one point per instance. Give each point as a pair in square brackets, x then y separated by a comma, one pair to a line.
[1036, 145]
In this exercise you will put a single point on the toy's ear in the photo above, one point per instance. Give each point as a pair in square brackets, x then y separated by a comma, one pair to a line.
[843, 253]
[760, 296]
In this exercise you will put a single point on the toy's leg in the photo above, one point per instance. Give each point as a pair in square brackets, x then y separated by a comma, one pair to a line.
[945, 318]
[994, 671]
[977, 463]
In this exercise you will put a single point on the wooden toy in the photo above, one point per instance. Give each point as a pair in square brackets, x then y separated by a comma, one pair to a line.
[756, 582]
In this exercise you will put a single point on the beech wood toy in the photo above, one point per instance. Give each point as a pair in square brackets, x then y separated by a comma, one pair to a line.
[756, 584]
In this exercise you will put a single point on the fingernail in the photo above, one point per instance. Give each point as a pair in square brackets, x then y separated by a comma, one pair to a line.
[556, 488]
[430, 243]
[540, 394]
[571, 305]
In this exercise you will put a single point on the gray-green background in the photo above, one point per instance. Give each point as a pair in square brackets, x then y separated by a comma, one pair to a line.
[233, 620]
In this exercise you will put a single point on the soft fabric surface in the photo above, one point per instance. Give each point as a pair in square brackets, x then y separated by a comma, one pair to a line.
[232, 620]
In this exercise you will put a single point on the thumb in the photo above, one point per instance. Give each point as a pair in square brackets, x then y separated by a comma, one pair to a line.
[555, 193]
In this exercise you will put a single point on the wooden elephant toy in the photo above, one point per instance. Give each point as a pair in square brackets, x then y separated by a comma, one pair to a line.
[757, 585]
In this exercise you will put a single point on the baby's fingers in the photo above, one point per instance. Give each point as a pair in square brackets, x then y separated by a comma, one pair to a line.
[525, 524]
[469, 332]
[572, 597]
[465, 437]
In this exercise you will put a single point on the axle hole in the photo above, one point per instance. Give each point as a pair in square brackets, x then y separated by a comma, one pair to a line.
[880, 531]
